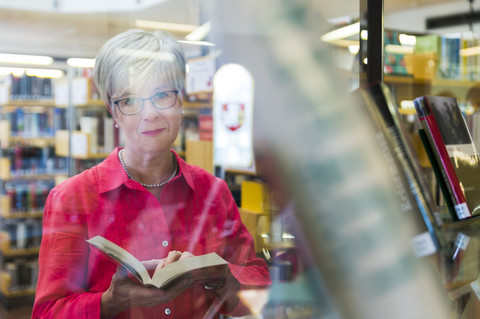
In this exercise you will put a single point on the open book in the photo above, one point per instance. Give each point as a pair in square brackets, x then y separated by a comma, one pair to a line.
[210, 267]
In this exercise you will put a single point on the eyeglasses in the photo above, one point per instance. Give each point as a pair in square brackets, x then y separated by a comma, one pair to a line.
[134, 105]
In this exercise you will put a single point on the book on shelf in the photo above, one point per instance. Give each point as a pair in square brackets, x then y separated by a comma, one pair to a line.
[89, 125]
[26, 87]
[425, 214]
[23, 274]
[204, 268]
[447, 51]
[454, 151]
[394, 62]
[414, 199]
[443, 194]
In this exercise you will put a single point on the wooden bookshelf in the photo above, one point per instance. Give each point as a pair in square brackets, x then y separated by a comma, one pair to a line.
[410, 80]
[5, 287]
[34, 141]
[6, 210]
[198, 105]
[30, 103]
[91, 103]
[7, 251]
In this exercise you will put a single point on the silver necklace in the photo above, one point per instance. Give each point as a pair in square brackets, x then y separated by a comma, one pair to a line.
[147, 185]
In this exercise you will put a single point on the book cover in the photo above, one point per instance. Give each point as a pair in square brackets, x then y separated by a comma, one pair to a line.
[446, 199]
[454, 149]
[205, 268]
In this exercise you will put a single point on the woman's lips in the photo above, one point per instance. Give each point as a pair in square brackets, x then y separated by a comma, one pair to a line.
[153, 132]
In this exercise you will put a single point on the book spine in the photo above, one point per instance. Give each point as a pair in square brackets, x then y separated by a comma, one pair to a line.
[424, 240]
[389, 151]
[433, 132]
[411, 168]
[442, 188]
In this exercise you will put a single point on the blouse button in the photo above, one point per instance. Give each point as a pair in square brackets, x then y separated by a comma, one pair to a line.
[165, 243]
[168, 311]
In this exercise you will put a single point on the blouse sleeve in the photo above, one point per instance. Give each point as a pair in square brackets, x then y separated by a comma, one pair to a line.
[250, 271]
[63, 262]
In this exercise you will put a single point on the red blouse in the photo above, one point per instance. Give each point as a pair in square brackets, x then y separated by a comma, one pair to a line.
[196, 213]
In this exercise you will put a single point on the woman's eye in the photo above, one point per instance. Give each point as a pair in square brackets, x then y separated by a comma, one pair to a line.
[130, 101]
[161, 95]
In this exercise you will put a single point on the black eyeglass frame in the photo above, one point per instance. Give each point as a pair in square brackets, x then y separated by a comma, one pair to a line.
[146, 99]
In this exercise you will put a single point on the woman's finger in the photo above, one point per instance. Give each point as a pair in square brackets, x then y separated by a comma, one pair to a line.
[172, 256]
[186, 254]
[120, 273]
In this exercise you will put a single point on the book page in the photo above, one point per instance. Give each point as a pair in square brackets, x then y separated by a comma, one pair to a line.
[200, 268]
[122, 257]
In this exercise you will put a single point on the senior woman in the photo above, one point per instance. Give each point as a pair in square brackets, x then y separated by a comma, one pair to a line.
[144, 198]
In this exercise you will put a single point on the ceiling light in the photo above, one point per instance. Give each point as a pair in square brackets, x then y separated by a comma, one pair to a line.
[15, 71]
[345, 43]
[406, 39]
[407, 104]
[167, 26]
[341, 33]
[204, 43]
[25, 59]
[81, 62]
[354, 49]
[470, 51]
[199, 33]
[42, 73]
[399, 49]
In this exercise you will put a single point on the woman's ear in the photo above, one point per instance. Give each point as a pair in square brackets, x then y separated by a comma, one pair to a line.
[112, 112]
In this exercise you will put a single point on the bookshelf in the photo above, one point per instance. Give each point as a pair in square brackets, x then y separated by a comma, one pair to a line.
[405, 88]
[29, 169]
[90, 134]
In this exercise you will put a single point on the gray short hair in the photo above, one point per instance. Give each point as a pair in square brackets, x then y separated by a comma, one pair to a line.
[136, 57]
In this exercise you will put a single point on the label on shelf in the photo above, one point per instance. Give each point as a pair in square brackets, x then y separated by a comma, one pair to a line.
[462, 211]
[423, 245]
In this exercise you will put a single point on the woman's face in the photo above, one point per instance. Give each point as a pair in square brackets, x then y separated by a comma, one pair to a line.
[151, 130]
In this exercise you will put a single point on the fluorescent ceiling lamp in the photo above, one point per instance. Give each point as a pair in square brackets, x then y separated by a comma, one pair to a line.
[354, 48]
[470, 51]
[81, 62]
[199, 33]
[75, 6]
[26, 59]
[204, 43]
[407, 104]
[14, 71]
[406, 39]
[167, 26]
[345, 43]
[399, 49]
[341, 33]
[42, 73]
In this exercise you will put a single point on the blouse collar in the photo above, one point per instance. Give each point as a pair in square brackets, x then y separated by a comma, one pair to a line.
[111, 174]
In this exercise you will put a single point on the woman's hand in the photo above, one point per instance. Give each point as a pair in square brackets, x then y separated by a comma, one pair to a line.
[124, 293]
[172, 257]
